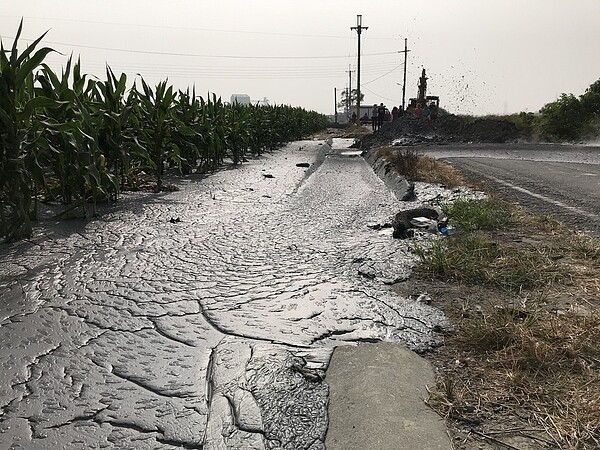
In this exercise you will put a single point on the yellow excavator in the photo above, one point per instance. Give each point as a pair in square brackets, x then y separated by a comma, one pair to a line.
[422, 97]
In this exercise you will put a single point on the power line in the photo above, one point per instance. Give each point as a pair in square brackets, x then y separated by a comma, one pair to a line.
[233, 73]
[381, 96]
[277, 70]
[148, 52]
[387, 73]
[268, 33]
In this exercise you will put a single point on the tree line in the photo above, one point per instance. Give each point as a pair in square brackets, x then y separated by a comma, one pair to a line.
[569, 118]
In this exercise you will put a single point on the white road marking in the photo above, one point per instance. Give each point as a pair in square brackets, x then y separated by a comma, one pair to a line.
[544, 198]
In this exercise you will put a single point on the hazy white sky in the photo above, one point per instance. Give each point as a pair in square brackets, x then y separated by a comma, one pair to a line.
[481, 56]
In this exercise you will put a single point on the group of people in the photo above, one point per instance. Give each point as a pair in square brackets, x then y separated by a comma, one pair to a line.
[428, 112]
[380, 113]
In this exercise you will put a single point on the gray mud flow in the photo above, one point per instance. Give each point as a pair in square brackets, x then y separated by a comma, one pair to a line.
[214, 331]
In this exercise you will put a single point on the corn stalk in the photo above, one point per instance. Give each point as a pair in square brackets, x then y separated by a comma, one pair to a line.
[186, 136]
[18, 109]
[237, 131]
[156, 121]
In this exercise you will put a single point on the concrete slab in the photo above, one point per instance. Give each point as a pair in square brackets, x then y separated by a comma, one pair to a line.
[376, 400]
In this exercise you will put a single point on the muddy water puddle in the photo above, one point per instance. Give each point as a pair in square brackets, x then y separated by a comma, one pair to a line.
[213, 331]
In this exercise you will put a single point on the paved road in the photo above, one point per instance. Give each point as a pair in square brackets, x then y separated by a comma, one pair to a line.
[211, 332]
[562, 181]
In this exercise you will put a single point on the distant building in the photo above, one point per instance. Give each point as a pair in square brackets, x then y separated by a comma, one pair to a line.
[264, 102]
[242, 99]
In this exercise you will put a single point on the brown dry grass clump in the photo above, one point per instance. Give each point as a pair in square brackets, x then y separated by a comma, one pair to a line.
[419, 167]
[521, 367]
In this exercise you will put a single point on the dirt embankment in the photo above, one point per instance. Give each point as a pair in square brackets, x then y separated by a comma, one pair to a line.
[447, 128]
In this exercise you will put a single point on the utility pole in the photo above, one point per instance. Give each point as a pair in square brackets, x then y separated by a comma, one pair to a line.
[405, 51]
[335, 103]
[349, 92]
[358, 29]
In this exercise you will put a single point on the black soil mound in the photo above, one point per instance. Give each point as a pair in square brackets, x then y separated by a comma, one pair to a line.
[446, 128]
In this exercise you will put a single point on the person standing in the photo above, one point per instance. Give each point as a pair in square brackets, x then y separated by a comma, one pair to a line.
[374, 121]
[426, 112]
[433, 111]
[395, 113]
[418, 112]
[380, 115]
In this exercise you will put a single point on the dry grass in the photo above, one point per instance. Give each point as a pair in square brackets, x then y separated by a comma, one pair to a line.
[540, 366]
[417, 167]
[521, 368]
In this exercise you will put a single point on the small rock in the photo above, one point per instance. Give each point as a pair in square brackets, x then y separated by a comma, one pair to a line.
[367, 272]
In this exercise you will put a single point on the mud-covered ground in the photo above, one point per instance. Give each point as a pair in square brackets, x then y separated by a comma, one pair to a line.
[205, 317]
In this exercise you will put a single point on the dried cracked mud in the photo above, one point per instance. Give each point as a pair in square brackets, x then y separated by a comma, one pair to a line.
[211, 332]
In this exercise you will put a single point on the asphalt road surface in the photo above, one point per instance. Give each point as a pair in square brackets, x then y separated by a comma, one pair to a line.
[561, 181]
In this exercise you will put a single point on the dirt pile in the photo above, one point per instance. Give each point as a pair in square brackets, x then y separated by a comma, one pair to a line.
[446, 128]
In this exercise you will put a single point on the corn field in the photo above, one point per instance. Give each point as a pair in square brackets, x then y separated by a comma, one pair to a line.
[72, 139]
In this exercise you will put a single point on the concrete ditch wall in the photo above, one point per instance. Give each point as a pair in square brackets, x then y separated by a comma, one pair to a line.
[400, 186]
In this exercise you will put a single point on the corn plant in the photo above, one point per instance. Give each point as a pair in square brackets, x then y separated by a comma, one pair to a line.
[156, 121]
[186, 137]
[260, 130]
[237, 131]
[210, 128]
[116, 134]
[70, 140]
[217, 117]
[18, 109]
[58, 146]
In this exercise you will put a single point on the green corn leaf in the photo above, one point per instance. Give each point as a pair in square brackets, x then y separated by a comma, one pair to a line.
[40, 102]
[122, 85]
[92, 170]
[6, 120]
[30, 48]
[14, 51]
[78, 80]
[30, 64]
[184, 130]
[3, 59]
